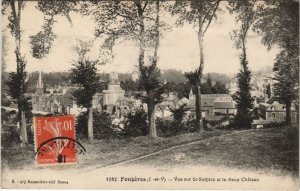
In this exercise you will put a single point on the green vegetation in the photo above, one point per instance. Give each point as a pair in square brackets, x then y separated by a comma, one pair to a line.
[267, 150]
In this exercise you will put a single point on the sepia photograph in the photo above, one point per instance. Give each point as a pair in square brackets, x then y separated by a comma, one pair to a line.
[150, 94]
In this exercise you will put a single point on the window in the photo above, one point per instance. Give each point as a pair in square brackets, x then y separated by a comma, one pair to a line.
[273, 115]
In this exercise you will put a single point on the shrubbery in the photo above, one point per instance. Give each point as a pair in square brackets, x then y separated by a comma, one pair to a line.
[135, 123]
[10, 136]
[103, 127]
[167, 128]
[275, 125]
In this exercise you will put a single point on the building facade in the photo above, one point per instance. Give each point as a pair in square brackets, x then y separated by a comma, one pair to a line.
[276, 112]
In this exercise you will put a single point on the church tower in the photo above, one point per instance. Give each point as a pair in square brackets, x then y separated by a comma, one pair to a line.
[40, 85]
[191, 95]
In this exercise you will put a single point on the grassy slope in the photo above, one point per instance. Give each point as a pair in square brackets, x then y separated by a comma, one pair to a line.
[104, 152]
[263, 149]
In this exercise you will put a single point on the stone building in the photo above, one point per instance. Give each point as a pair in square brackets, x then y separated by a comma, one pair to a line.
[114, 91]
[116, 101]
[276, 112]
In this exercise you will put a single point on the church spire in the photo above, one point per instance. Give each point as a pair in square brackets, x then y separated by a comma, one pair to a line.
[39, 84]
[191, 95]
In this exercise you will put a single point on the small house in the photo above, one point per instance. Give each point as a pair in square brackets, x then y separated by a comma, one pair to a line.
[276, 112]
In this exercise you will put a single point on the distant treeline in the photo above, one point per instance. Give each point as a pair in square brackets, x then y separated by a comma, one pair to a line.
[175, 77]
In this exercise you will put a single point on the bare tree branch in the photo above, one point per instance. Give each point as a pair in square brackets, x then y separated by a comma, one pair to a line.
[212, 16]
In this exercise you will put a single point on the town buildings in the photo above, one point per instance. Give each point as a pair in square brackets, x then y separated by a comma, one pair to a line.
[53, 101]
[118, 102]
[273, 112]
[211, 104]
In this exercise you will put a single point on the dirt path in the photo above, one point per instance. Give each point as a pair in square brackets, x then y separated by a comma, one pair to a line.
[159, 152]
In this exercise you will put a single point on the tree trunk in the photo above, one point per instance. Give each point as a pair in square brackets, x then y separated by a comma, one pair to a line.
[151, 119]
[16, 13]
[90, 125]
[157, 30]
[141, 35]
[288, 114]
[199, 125]
[150, 104]
[23, 129]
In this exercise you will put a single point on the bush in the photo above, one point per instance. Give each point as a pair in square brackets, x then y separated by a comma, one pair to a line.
[81, 125]
[215, 121]
[168, 128]
[9, 117]
[103, 128]
[10, 136]
[102, 123]
[274, 125]
[190, 126]
[165, 128]
[135, 123]
[241, 121]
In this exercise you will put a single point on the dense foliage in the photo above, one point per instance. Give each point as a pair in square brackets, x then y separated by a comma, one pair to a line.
[103, 128]
[243, 118]
[84, 76]
[283, 15]
[135, 123]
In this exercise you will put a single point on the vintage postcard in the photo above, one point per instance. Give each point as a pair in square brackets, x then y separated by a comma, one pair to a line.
[150, 94]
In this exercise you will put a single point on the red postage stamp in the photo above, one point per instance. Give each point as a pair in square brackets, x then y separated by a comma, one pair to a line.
[55, 140]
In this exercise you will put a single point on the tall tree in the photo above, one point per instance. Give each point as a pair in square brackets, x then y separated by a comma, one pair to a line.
[278, 24]
[195, 79]
[245, 10]
[84, 73]
[139, 21]
[4, 53]
[150, 76]
[84, 76]
[286, 87]
[41, 43]
[200, 14]
[17, 82]
[243, 96]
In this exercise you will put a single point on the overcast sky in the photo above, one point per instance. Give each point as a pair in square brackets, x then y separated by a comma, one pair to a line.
[179, 48]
